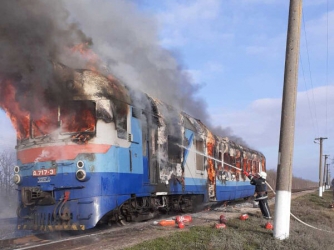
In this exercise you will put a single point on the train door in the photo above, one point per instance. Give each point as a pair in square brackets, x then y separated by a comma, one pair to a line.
[152, 156]
[150, 161]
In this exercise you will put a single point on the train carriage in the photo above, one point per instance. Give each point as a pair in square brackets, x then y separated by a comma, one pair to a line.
[111, 153]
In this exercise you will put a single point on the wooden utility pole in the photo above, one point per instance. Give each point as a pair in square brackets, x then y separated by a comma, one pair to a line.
[320, 164]
[287, 132]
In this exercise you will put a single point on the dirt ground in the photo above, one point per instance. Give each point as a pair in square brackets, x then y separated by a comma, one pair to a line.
[131, 235]
[120, 237]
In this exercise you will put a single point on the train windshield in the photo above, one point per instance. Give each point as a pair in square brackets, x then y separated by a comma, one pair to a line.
[74, 117]
[78, 116]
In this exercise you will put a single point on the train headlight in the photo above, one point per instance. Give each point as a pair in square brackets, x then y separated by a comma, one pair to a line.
[16, 169]
[80, 164]
[82, 175]
[17, 179]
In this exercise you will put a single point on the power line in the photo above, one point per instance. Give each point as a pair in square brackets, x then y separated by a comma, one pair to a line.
[309, 67]
[308, 98]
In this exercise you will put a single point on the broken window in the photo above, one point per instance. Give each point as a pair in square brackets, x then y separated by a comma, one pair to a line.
[44, 122]
[220, 156]
[199, 155]
[120, 110]
[249, 165]
[174, 149]
[78, 116]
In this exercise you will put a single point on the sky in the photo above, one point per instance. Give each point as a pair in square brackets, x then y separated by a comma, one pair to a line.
[234, 54]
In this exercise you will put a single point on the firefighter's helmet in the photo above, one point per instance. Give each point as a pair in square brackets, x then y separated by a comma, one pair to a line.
[263, 175]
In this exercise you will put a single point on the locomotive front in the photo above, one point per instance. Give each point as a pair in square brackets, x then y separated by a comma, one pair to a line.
[61, 154]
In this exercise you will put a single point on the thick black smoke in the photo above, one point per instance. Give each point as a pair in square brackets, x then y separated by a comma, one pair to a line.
[35, 33]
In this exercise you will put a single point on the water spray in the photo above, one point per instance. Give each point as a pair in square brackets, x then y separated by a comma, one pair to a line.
[210, 157]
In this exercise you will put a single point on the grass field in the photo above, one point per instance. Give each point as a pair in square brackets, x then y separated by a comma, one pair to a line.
[251, 234]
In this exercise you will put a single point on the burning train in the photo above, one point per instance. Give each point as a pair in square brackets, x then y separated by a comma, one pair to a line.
[111, 153]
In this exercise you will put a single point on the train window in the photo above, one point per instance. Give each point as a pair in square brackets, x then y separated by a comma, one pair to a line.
[120, 112]
[263, 164]
[254, 168]
[249, 166]
[199, 155]
[244, 165]
[78, 116]
[44, 123]
[174, 149]
[227, 160]
[232, 160]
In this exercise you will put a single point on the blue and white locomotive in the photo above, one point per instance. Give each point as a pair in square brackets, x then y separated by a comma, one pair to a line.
[112, 153]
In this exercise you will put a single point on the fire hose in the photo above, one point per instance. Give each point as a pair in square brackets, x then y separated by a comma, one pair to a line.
[304, 223]
[295, 217]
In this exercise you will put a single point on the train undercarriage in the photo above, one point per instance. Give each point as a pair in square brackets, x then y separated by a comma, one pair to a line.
[138, 209]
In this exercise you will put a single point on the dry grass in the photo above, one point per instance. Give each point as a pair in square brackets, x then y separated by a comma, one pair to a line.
[251, 234]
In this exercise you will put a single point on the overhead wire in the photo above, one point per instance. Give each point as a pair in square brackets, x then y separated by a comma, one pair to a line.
[308, 99]
[311, 82]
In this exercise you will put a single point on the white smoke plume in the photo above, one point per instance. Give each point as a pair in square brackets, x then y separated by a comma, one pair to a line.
[127, 40]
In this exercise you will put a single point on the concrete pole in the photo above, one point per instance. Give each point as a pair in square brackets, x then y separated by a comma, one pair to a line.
[320, 165]
[327, 177]
[288, 113]
[324, 176]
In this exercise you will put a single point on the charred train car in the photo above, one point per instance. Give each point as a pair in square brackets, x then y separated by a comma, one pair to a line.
[112, 153]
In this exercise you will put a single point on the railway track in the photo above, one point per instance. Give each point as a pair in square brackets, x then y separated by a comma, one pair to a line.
[114, 236]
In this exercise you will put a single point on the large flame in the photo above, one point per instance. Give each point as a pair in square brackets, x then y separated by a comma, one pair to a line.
[33, 114]
[74, 116]
[211, 166]
[19, 118]
[78, 118]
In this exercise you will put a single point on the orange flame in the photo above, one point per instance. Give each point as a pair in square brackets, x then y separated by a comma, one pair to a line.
[74, 118]
[19, 118]
[79, 121]
[44, 119]
[211, 166]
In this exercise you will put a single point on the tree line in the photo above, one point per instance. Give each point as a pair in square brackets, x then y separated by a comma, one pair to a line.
[297, 183]
[7, 163]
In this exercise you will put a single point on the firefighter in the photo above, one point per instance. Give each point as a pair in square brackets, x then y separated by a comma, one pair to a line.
[261, 192]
